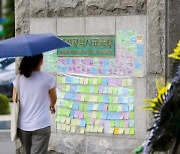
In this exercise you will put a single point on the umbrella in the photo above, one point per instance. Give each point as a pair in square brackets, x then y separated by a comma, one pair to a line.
[30, 45]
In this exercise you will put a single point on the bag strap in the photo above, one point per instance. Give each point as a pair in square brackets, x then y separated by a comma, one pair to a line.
[17, 94]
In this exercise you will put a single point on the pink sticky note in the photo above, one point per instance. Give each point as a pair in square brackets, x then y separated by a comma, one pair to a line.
[110, 70]
[59, 86]
[81, 115]
[92, 121]
[99, 71]
[101, 62]
[78, 96]
[70, 68]
[119, 82]
[88, 71]
[105, 106]
[121, 115]
[126, 123]
[74, 61]
[76, 114]
[106, 126]
[100, 89]
[126, 115]
[101, 123]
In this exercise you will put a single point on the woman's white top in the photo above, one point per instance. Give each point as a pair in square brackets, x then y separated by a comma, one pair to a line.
[35, 100]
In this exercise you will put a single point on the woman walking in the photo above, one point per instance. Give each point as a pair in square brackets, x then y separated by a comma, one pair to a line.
[37, 98]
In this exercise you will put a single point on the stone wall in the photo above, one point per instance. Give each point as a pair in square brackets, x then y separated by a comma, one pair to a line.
[155, 14]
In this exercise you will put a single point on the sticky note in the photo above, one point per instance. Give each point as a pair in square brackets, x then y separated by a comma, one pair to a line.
[59, 79]
[126, 123]
[124, 82]
[91, 89]
[105, 99]
[104, 115]
[121, 123]
[129, 82]
[63, 87]
[111, 99]
[82, 130]
[72, 114]
[81, 107]
[125, 107]
[97, 122]
[119, 108]
[87, 89]
[73, 129]
[105, 107]
[87, 128]
[110, 107]
[126, 131]
[96, 90]
[85, 81]
[105, 81]
[112, 122]
[121, 131]
[73, 88]
[139, 50]
[131, 99]
[100, 99]
[75, 106]
[92, 121]
[131, 91]
[73, 122]
[77, 122]
[101, 123]
[100, 129]
[131, 131]
[68, 128]
[111, 130]
[116, 131]
[90, 107]
[90, 80]
[100, 107]
[94, 115]
[131, 115]
[100, 89]
[99, 80]
[85, 114]
[105, 90]
[63, 79]
[105, 71]
[131, 123]
[95, 129]
[99, 115]
[117, 123]
[114, 90]
[94, 98]
[58, 118]
[95, 107]
[82, 97]
[110, 90]
[131, 107]
[82, 123]
[85, 107]
[63, 127]
[95, 80]
[126, 115]
[86, 98]
[68, 120]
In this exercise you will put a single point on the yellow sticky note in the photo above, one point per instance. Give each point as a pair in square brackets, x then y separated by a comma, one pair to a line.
[67, 87]
[95, 98]
[63, 119]
[124, 82]
[59, 125]
[110, 90]
[111, 130]
[91, 128]
[97, 122]
[62, 94]
[82, 130]
[95, 81]
[91, 98]
[95, 107]
[85, 80]
[68, 128]
[77, 122]
[116, 131]
[121, 131]
[68, 120]
[73, 129]
[63, 127]
[87, 128]
[95, 129]
[73, 122]
[81, 81]
[129, 82]
[82, 97]
[115, 99]
[126, 131]
[94, 115]
[119, 108]
[63, 79]
[100, 129]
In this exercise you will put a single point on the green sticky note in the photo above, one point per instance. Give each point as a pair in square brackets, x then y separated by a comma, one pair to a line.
[58, 111]
[131, 91]
[111, 99]
[112, 122]
[58, 118]
[63, 87]
[100, 99]
[115, 107]
[87, 89]
[85, 115]
[66, 104]
[96, 90]
[67, 112]
[82, 88]
[88, 121]
[81, 107]
[121, 123]
[95, 62]
[86, 98]
[90, 80]
[131, 115]
[110, 107]
[99, 115]
[59, 79]
[131, 131]
[85, 107]
[114, 90]
[99, 80]
[70, 104]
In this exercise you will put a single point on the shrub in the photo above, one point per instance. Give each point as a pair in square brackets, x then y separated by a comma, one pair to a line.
[4, 105]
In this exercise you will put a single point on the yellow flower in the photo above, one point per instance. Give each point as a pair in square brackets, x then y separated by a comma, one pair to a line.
[176, 54]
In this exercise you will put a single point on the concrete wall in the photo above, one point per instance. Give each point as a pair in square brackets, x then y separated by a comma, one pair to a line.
[52, 12]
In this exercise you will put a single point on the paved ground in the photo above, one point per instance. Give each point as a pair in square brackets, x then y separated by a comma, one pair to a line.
[6, 146]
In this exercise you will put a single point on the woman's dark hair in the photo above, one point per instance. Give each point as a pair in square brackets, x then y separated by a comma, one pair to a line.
[28, 64]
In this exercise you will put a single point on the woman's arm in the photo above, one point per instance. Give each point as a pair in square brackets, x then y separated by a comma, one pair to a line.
[14, 98]
[53, 98]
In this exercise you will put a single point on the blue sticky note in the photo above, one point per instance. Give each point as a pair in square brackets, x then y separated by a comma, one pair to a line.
[125, 91]
[105, 90]
[117, 123]
[131, 107]
[116, 116]
[75, 106]
[133, 40]
[73, 88]
[139, 50]
[137, 64]
[59, 68]
[131, 123]
[105, 71]
[91, 89]
[68, 79]
[78, 89]
[93, 70]
[72, 114]
[110, 116]
[120, 99]
[105, 81]
[90, 107]
[131, 99]
[74, 80]
[105, 99]
[63, 69]
[125, 108]
[82, 123]
[70, 96]
[106, 62]
[104, 115]
[62, 103]
[126, 100]
[68, 61]
[100, 107]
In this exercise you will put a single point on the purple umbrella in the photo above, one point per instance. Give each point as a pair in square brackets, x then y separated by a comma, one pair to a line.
[30, 45]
